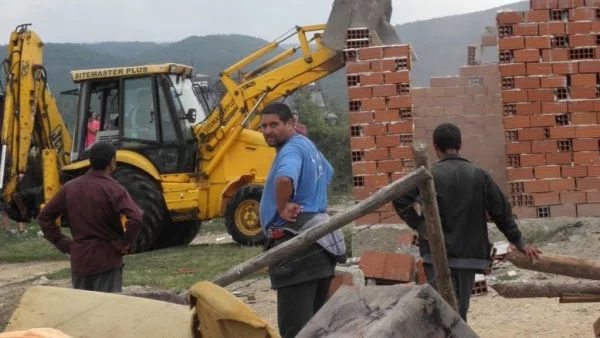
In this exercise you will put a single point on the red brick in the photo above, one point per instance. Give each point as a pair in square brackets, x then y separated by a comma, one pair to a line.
[562, 132]
[360, 168]
[530, 108]
[584, 118]
[370, 219]
[582, 14]
[539, 69]
[455, 91]
[376, 180]
[525, 29]
[387, 141]
[542, 121]
[554, 107]
[396, 77]
[586, 157]
[536, 186]
[402, 101]
[525, 82]
[518, 148]
[587, 131]
[374, 129]
[396, 51]
[387, 115]
[543, 4]
[438, 81]
[401, 153]
[371, 79]
[360, 117]
[574, 171]
[373, 103]
[513, 69]
[592, 197]
[593, 170]
[538, 42]
[582, 106]
[510, 43]
[375, 65]
[421, 276]
[547, 198]
[588, 183]
[377, 154]
[503, 18]
[555, 55]
[354, 67]
[572, 197]
[564, 184]
[547, 171]
[583, 80]
[589, 66]
[578, 27]
[582, 40]
[585, 144]
[532, 160]
[517, 174]
[405, 127]
[359, 92]
[570, 3]
[385, 90]
[389, 166]
[339, 279]
[559, 158]
[541, 147]
[514, 122]
[592, 3]
[582, 93]
[536, 16]
[530, 134]
[588, 210]
[399, 267]
[595, 26]
[524, 212]
[370, 53]
[554, 81]
[540, 95]
[527, 55]
[364, 142]
[362, 193]
[388, 65]
[514, 95]
[563, 210]
[563, 68]
[552, 28]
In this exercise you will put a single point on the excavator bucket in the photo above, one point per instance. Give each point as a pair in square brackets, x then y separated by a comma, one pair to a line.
[359, 23]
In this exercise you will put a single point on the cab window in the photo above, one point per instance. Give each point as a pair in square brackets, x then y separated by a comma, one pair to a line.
[139, 113]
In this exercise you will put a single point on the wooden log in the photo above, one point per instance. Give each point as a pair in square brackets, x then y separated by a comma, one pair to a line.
[574, 298]
[597, 328]
[305, 239]
[548, 290]
[558, 264]
[435, 236]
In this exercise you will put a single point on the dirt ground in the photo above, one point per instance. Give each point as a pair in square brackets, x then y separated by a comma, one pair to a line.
[490, 315]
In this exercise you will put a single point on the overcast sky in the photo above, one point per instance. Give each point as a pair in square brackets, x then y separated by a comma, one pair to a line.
[173, 20]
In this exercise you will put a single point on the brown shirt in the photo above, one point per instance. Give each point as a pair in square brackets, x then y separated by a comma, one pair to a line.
[93, 204]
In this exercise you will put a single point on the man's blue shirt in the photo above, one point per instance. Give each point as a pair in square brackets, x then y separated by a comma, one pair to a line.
[300, 160]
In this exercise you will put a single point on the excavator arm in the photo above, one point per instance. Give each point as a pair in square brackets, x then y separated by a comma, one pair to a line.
[31, 122]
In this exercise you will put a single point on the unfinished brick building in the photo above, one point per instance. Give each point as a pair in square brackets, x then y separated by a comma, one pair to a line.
[549, 78]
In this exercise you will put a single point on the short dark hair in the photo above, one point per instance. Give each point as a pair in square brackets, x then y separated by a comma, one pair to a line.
[447, 136]
[101, 154]
[280, 109]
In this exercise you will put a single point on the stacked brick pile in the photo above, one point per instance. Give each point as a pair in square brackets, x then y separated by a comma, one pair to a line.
[380, 117]
[549, 77]
[472, 102]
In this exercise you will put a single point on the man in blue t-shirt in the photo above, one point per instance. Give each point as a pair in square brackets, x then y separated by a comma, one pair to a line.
[295, 198]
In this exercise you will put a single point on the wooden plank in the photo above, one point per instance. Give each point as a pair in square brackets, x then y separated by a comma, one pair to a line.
[548, 290]
[578, 298]
[558, 264]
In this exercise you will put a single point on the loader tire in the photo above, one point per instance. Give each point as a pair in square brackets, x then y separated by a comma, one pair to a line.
[242, 216]
[148, 196]
[176, 234]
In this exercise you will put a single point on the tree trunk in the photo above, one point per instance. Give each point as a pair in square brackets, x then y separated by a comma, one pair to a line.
[548, 290]
[558, 264]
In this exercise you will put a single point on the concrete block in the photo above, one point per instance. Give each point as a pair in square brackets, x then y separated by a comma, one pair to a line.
[376, 238]
[346, 275]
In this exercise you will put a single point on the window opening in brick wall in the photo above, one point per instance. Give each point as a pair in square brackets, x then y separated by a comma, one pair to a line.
[358, 181]
[508, 83]
[510, 109]
[517, 187]
[511, 136]
[353, 80]
[560, 41]
[403, 88]
[564, 145]
[559, 15]
[581, 53]
[563, 119]
[406, 113]
[408, 165]
[406, 139]
[597, 13]
[354, 105]
[357, 33]
[355, 131]
[362, 43]
[505, 56]
[546, 133]
[561, 93]
[543, 212]
[513, 161]
[598, 39]
[597, 92]
[505, 31]
[358, 156]
[476, 81]
[349, 55]
[402, 63]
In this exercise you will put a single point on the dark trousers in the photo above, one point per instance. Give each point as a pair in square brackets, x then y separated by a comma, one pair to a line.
[462, 283]
[296, 304]
[109, 281]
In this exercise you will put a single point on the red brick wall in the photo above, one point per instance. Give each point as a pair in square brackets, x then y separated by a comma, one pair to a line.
[380, 118]
[549, 72]
[472, 102]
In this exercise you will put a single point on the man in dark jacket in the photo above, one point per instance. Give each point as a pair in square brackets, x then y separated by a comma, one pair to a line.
[466, 194]
[93, 204]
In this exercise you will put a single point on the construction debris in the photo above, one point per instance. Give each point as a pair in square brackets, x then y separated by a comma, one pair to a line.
[549, 290]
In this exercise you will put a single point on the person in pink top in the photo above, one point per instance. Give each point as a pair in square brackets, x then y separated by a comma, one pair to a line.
[299, 127]
[92, 129]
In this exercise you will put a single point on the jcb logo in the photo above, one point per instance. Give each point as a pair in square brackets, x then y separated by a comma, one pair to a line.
[248, 85]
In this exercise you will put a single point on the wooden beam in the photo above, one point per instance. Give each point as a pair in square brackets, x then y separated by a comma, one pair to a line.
[578, 298]
[548, 290]
[435, 236]
[305, 239]
[558, 264]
